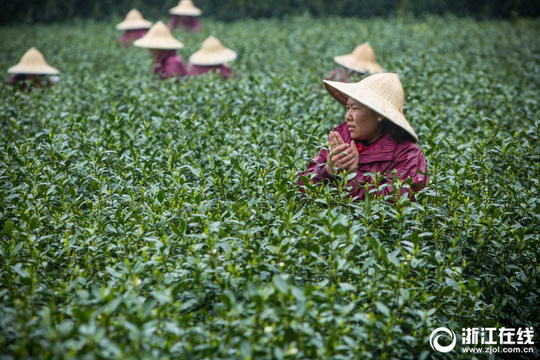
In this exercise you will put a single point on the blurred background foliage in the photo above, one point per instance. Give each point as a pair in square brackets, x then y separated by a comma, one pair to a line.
[31, 11]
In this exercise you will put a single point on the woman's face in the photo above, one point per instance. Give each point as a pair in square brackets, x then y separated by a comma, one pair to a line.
[363, 123]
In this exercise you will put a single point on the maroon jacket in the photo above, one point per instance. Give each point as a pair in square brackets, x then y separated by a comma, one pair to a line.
[170, 64]
[224, 70]
[189, 23]
[383, 157]
[26, 82]
[131, 35]
[343, 75]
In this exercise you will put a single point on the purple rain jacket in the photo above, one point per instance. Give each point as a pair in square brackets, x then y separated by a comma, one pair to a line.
[383, 157]
[170, 64]
[224, 70]
[131, 35]
[342, 75]
[25, 83]
[189, 23]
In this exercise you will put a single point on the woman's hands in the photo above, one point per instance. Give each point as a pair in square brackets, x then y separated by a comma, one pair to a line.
[342, 157]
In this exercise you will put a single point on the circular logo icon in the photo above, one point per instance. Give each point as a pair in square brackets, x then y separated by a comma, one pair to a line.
[434, 340]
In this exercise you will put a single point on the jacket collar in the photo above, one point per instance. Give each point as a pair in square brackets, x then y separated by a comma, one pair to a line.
[383, 150]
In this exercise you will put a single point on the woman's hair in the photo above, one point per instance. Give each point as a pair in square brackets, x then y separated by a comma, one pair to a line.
[397, 133]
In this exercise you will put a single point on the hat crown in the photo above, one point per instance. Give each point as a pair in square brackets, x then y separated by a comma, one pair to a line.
[212, 44]
[159, 31]
[159, 37]
[364, 52]
[33, 57]
[134, 15]
[186, 7]
[186, 3]
[134, 20]
[386, 86]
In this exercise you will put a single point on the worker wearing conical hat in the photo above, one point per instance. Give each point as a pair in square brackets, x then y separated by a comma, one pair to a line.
[32, 70]
[135, 26]
[375, 138]
[212, 56]
[185, 14]
[356, 64]
[163, 46]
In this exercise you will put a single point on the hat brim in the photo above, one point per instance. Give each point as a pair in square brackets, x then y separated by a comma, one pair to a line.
[185, 12]
[353, 64]
[33, 70]
[343, 91]
[218, 58]
[170, 44]
[134, 25]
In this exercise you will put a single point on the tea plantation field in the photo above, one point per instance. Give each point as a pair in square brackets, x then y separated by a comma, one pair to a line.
[143, 219]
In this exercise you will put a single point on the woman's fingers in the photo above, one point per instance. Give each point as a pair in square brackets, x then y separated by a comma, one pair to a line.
[343, 164]
[340, 152]
[339, 149]
[351, 165]
[330, 139]
[333, 141]
[346, 158]
[343, 161]
[342, 156]
[338, 137]
[354, 148]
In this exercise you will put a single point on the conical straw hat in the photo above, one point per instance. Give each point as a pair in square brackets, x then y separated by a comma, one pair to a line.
[212, 52]
[362, 60]
[134, 20]
[159, 37]
[381, 93]
[33, 62]
[186, 8]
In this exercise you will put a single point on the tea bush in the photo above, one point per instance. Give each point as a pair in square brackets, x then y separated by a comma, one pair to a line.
[145, 219]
